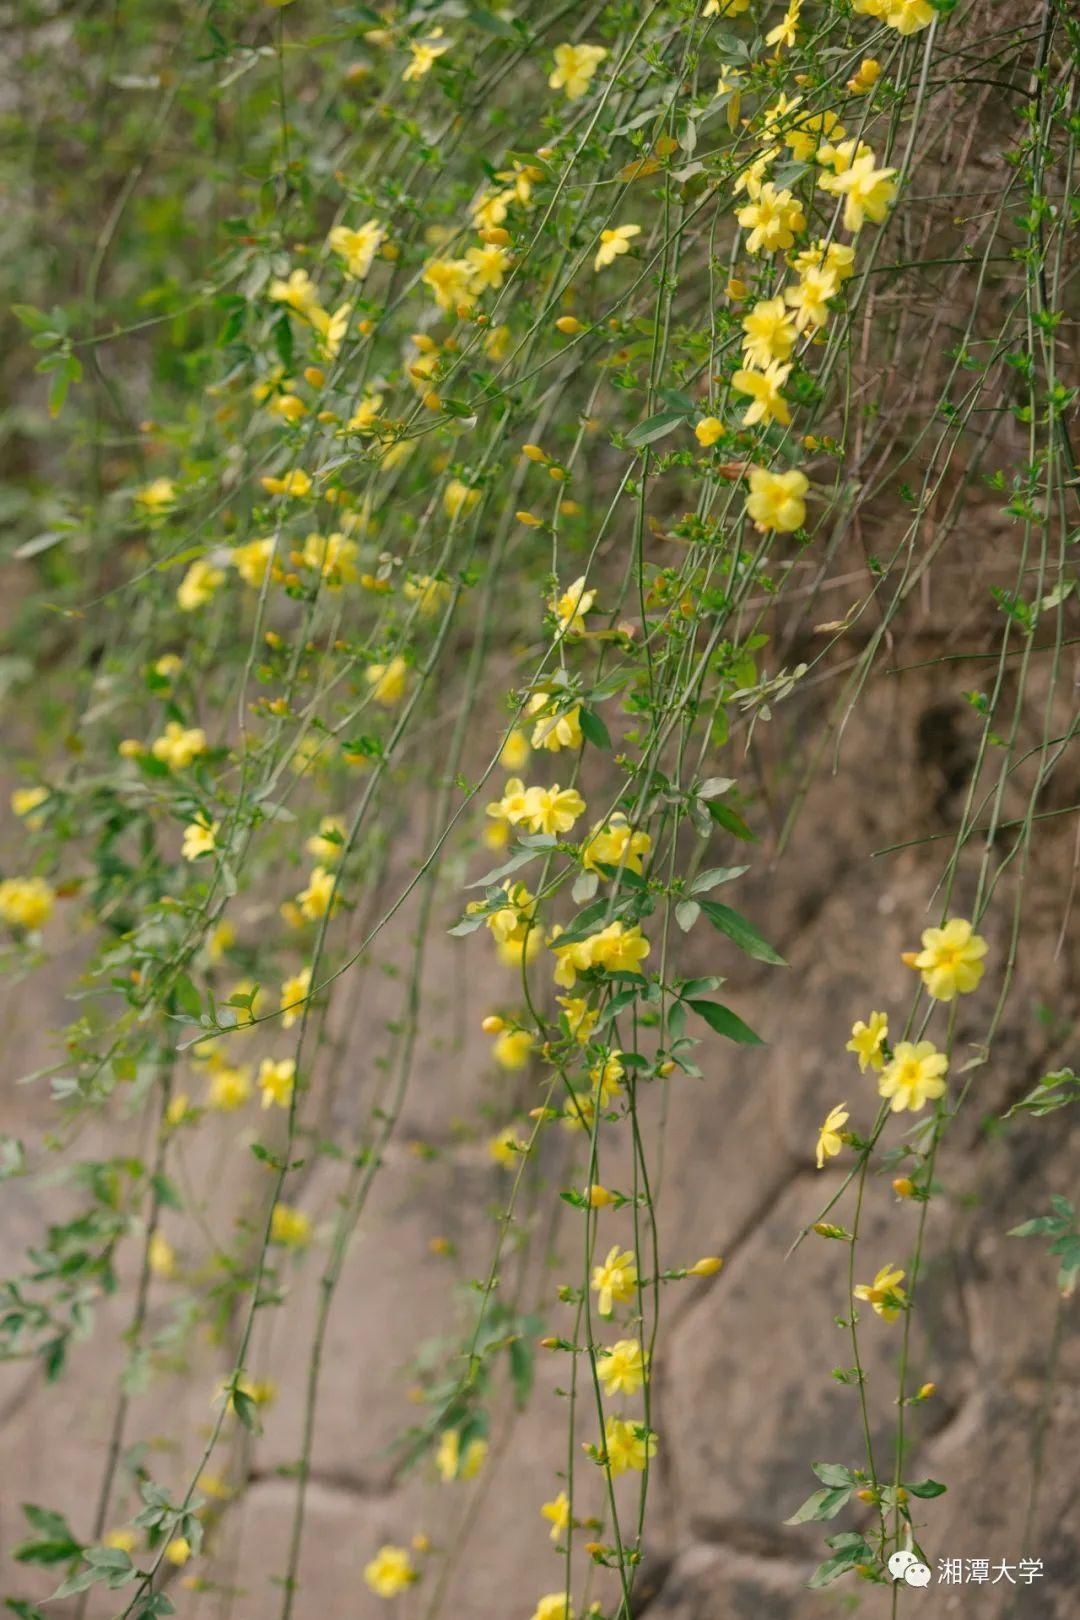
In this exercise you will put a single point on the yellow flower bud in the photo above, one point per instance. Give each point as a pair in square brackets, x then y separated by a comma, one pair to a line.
[569, 325]
[707, 1267]
[533, 452]
[315, 376]
[926, 1390]
[495, 236]
[130, 748]
[666, 1068]
[493, 1024]
[432, 402]
[903, 1187]
[599, 1197]
[528, 518]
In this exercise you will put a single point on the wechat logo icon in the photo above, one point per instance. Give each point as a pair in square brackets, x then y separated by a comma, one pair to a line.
[904, 1566]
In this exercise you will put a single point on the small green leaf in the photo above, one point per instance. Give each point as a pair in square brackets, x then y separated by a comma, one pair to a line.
[740, 932]
[928, 1487]
[655, 427]
[825, 1504]
[593, 729]
[725, 1022]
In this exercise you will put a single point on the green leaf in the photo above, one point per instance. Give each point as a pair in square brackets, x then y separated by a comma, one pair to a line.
[727, 818]
[839, 1564]
[687, 913]
[725, 1022]
[825, 1504]
[593, 728]
[522, 1363]
[740, 932]
[713, 878]
[187, 997]
[520, 857]
[833, 1474]
[928, 1487]
[655, 427]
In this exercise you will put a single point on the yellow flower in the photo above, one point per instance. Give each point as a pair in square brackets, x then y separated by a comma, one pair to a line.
[122, 1540]
[315, 901]
[767, 402]
[725, 8]
[200, 838]
[252, 560]
[505, 1148]
[366, 414]
[358, 248]
[784, 32]
[390, 1572]
[552, 810]
[24, 801]
[230, 1088]
[627, 1445]
[331, 328]
[951, 960]
[160, 1256]
[884, 1294]
[328, 844]
[607, 1077]
[915, 1076]
[450, 281]
[26, 902]
[296, 483]
[574, 67]
[708, 430]
[580, 1017]
[333, 556]
[555, 1606]
[290, 1227]
[425, 53]
[515, 750]
[828, 1142]
[178, 1110]
[613, 243]
[430, 595]
[770, 334]
[178, 745]
[458, 499]
[511, 1050]
[811, 131]
[387, 681]
[907, 16]
[752, 177]
[867, 1041]
[555, 730]
[452, 1463]
[776, 500]
[615, 1280]
[558, 1511]
[489, 266]
[866, 76]
[615, 843]
[294, 992]
[571, 607]
[868, 191]
[276, 1081]
[810, 298]
[298, 292]
[156, 496]
[619, 949]
[772, 218]
[621, 1370]
[178, 1550]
